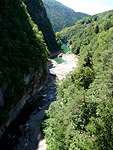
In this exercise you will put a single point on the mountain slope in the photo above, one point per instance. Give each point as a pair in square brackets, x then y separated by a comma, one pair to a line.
[23, 55]
[37, 11]
[85, 30]
[82, 116]
[60, 15]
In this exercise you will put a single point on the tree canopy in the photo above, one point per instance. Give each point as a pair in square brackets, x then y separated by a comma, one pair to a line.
[22, 52]
[82, 116]
[37, 11]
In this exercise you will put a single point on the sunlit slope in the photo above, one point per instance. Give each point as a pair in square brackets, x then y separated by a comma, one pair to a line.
[61, 16]
[86, 31]
[82, 116]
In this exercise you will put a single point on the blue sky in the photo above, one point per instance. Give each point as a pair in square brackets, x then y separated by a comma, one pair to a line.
[89, 6]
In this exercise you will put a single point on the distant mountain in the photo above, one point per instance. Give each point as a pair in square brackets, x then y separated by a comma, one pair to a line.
[61, 16]
[86, 30]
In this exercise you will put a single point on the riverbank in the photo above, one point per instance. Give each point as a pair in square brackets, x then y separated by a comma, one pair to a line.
[61, 70]
[30, 135]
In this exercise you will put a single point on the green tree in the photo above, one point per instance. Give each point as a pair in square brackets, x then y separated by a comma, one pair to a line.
[107, 25]
[96, 29]
[61, 16]
[23, 52]
[101, 127]
[35, 7]
[83, 77]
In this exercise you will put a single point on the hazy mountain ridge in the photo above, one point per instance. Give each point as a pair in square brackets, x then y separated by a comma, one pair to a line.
[61, 16]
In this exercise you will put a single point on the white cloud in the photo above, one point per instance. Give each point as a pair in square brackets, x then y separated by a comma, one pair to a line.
[88, 6]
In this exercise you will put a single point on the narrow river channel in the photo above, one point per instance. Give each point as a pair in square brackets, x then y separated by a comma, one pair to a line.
[25, 131]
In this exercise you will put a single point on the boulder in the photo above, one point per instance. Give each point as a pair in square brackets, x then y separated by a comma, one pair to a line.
[60, 55]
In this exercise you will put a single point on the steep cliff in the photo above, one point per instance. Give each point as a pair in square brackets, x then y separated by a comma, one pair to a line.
[37, 11]
[23, 57]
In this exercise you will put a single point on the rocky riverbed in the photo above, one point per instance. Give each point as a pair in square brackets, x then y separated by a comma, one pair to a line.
[27, 135]
[60, 70]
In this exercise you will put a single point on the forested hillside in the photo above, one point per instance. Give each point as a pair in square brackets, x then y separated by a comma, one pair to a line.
[85, 30]
[60, 15]
[82, 116]
[23, 54]
[37, 11]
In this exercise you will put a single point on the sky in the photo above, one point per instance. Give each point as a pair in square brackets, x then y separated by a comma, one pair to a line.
[90, 7]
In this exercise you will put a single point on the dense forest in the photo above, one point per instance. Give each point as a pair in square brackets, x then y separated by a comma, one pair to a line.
[37, 11]
[82, 116]
[60, 15]
[23, 54]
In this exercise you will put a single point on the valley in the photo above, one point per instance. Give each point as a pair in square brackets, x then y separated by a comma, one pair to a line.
[25, 132]
[53, 95]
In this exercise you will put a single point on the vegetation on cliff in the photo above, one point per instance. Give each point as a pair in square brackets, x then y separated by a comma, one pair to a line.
[82, 116]
[61, 16]
[23, 53]
[37, 11]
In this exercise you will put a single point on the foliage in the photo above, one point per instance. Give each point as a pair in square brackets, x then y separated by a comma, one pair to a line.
[96, 29]
[22, 52]
[37, 11]
[82, 77]
[61, 16]
[82, 116]
[102, 127]
[78, 35]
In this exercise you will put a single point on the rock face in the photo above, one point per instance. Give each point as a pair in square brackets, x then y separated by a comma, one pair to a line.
[60, 55]
[23, 59]
[31, 134]
[34, 138]
[25, 98]
[61, 70]
[2, 90]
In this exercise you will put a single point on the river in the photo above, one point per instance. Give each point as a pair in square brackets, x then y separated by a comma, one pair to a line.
[25, 132]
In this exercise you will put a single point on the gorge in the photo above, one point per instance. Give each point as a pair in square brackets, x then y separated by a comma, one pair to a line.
[25, 132]
[50, 105]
